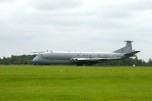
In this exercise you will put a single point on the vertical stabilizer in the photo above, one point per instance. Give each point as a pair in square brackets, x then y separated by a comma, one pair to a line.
[126, 49]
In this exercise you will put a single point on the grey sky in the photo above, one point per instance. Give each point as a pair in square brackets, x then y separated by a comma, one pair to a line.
[77, 25]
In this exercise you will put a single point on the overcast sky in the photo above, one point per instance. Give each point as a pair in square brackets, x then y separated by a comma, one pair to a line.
[78, 25]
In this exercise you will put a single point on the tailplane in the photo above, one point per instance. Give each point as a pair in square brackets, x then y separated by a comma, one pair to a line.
[127, 49]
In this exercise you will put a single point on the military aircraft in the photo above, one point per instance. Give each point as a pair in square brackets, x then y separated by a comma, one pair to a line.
[84, 58]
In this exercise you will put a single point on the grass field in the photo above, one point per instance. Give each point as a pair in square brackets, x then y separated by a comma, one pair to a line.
[72, 83]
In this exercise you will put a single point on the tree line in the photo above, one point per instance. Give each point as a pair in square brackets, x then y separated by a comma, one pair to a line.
[128, 62]
[17, 60]
[27, 60]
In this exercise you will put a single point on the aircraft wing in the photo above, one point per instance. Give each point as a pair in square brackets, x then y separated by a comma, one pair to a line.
[91, 60]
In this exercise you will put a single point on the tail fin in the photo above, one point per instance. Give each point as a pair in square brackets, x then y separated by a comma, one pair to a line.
[126, 49]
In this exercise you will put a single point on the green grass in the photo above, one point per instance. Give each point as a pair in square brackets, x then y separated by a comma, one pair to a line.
[72, 83]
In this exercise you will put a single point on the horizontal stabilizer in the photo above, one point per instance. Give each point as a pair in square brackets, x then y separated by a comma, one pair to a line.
[131, 54]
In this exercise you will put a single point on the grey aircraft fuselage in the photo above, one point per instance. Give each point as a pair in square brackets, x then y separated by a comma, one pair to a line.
[71, 57]
[81, 58]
